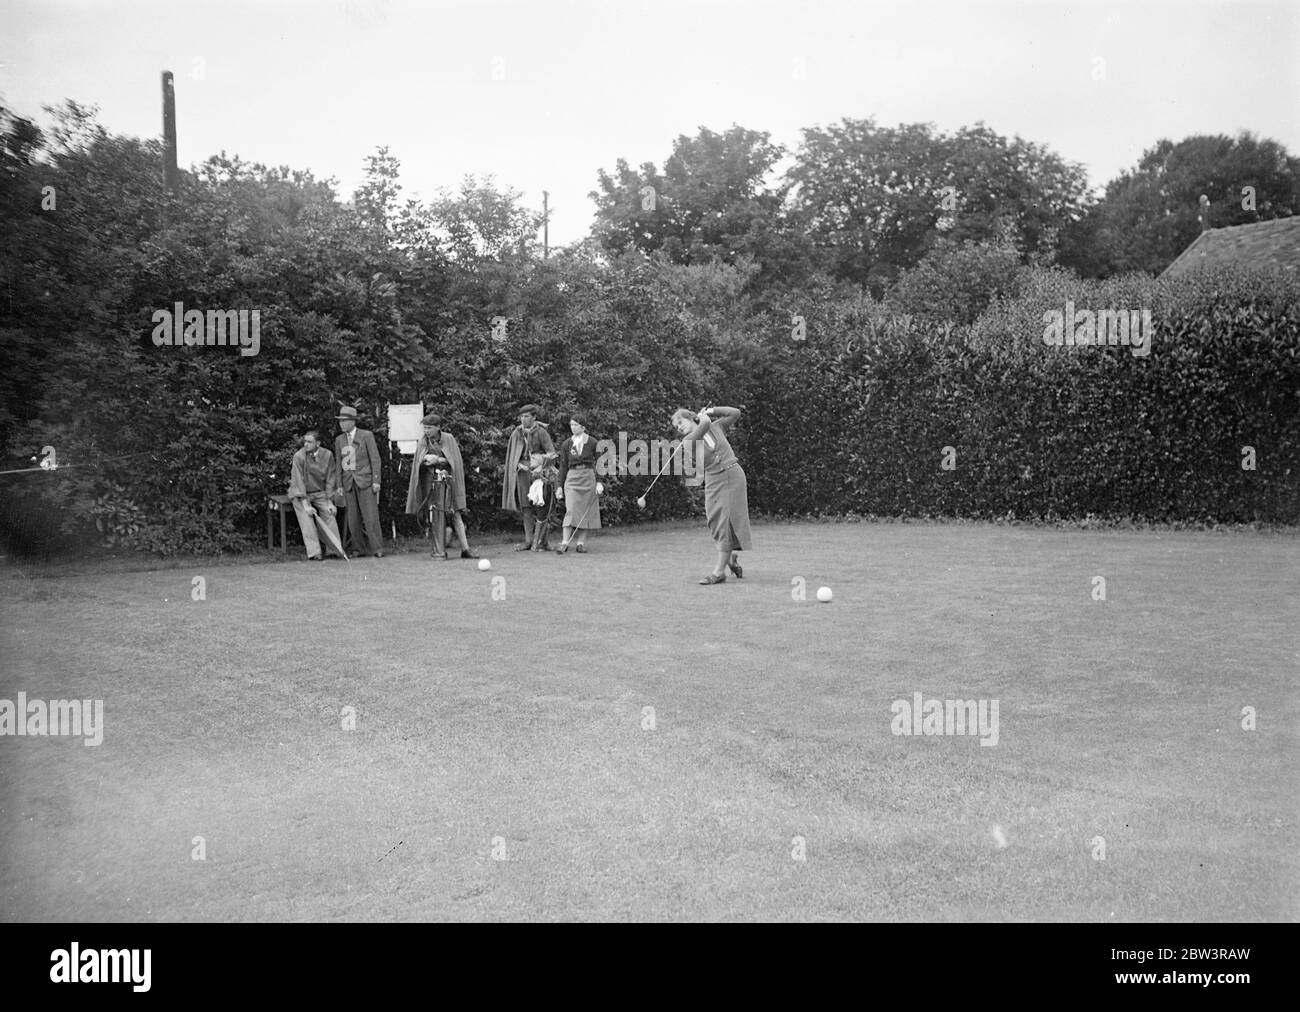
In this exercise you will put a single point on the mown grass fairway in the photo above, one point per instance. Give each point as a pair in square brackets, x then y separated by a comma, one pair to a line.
[502, 766]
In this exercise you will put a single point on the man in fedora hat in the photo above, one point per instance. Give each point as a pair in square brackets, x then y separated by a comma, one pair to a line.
[530, 449]
[438, 483]
[360, 469]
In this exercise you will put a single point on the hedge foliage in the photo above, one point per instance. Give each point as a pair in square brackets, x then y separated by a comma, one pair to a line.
[174, 449]
[1205, 428]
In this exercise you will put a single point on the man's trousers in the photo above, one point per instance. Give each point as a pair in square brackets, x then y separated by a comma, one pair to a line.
[363, 509]
[307, 524]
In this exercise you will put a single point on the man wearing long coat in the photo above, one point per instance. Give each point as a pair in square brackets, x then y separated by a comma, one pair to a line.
[529, 449]
[438, 483]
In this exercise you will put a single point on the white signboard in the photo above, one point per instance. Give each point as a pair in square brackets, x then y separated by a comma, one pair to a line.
[404, 426]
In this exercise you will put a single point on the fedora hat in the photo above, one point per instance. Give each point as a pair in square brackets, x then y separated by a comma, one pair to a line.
[346, 414]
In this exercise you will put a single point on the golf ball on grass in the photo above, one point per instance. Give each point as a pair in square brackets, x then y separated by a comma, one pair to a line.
[484, 565]
[824, 595]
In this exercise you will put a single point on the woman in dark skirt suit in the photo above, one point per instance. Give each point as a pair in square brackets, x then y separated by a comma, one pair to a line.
[578, 488]
[726, 497]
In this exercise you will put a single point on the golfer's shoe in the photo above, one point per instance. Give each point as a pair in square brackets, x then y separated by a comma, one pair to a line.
[713, 578]
[525, 547]
[734, 566]
[581, 549]
[437, 555]
[467, 554]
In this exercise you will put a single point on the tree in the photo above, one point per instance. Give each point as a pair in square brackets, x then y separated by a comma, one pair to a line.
[479, 222]
[712, 201]
[955, 282]
[876, 199]
[1151, 213]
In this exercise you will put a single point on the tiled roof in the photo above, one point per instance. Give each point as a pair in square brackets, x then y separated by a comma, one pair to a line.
[1260, 244]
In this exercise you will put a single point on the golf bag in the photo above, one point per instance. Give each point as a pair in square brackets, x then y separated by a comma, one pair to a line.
[436, 506]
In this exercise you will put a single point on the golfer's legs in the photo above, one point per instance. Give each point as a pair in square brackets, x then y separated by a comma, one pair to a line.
[308, 527]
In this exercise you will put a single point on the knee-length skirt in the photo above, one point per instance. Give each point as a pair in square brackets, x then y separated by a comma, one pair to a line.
[726, 502]
[581, 503]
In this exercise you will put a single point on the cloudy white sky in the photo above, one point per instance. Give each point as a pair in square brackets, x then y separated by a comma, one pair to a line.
[542, 93]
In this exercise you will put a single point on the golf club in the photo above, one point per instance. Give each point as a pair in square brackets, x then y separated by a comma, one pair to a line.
[599, 490]
[641, 499]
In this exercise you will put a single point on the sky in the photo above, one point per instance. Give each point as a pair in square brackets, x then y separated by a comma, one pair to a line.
[541, 94]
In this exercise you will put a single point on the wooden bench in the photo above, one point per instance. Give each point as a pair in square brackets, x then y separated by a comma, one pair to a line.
[284, 505]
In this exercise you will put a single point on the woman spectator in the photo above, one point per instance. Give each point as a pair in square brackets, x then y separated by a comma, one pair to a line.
[578, 489]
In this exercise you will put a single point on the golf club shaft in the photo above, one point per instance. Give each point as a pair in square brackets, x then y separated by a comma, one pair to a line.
[664, 468]
[593, 502]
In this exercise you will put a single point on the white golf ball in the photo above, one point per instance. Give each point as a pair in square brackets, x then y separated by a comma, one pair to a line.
[484, 565]
[824, 595]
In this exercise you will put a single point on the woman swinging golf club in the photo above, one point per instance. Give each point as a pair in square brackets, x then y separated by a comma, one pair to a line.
[726, 498]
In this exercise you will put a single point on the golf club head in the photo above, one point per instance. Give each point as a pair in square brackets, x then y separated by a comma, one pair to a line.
[641, 502]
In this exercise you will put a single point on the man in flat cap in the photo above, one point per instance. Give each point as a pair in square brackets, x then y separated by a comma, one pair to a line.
[438, 483]
[530, 449]
[359, 469]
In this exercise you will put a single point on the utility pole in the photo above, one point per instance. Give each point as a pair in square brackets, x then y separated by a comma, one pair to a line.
[546, 225]
[170, 174]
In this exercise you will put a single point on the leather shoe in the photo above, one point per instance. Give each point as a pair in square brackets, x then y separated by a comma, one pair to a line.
[713, 578]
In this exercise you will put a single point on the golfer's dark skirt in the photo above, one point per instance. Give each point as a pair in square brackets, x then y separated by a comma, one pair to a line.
[581, 504]
[726, 501]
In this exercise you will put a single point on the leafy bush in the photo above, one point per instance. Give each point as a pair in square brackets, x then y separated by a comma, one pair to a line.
[172, 449]
[1044, 432]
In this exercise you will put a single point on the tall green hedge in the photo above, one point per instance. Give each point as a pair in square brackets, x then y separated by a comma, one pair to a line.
[1205, 428]
[174, 449]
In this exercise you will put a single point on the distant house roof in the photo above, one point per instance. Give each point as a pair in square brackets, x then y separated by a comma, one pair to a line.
[1260, 244]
